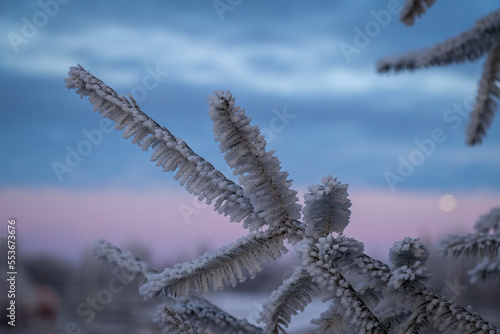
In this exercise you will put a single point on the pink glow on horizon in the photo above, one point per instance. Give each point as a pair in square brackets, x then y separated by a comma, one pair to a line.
[381, 218]
[67, 222]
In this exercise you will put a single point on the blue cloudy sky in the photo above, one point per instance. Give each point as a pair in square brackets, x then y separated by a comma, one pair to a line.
[323, 110]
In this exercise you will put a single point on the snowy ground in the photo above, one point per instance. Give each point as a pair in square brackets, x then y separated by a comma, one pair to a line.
[248, 306]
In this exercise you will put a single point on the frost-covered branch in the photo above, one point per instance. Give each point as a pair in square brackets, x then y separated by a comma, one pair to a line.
[259, 171]
[172, 322]
[486, 269]
[324, 260]
[194, 173]
[293, 295]
[413, 8]
[489, 222]
[326, 208]
[471, 245]
[444, 314]
[230, 264]
[205, 315]
[483, 38]
[485, 244]
[468, 46]
[486, 103]
[364, 294]
[124, 260]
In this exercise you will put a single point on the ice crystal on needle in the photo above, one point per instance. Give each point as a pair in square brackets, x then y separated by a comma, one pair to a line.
[332, 263]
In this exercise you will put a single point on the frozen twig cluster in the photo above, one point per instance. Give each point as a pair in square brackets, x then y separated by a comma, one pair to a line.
[363, 295]
[483, 38]
[483, 244]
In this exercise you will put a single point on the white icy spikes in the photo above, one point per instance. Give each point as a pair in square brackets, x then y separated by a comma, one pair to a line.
[292, 296]
[124, 260]
[412, 8]
[172, 322]
[486, 269]
[260, 175]
[483, 38]
[486, 104]
[327, 208]
[207, 316]
[485, 244]
[407, 252]
[197, 175]
[229, 265]
[364, 294]
[489, 222]
[405, 274]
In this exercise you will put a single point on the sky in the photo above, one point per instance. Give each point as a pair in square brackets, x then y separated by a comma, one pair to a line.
[304, 71]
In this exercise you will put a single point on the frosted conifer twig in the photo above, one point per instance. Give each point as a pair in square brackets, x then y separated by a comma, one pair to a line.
[486, 103]
[355, 283]
[230, 264]
[485, 244]
[124, 260]
[327, 208]
[172, 322]
[292, 296]
[205, 315]
[412, 8]
[483, 38]
[259, 171]
[194, 173]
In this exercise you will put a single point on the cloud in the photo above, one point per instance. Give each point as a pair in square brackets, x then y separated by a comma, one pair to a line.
[119, 55]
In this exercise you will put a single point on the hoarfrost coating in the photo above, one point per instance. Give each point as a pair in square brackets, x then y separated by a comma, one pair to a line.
[364, 294]
[483, 38]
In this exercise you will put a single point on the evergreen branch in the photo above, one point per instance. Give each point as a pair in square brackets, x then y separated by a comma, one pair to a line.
[172, 322]
[230, 264]
[377, 272]
[194, 173]
[471, 245]
[351, 306]
[294, 294]
[324, 261]
[403, 276]
[407, 252]
[205, 315]
[419, 307]
[332, 321]
[485, 106]
[326, 208]
[259, 170]
[394, 316]
[424, 304]
[489, 222]
[443, 313]
[468, 46]
[413, 8]
[124, 260]
[486, 269]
